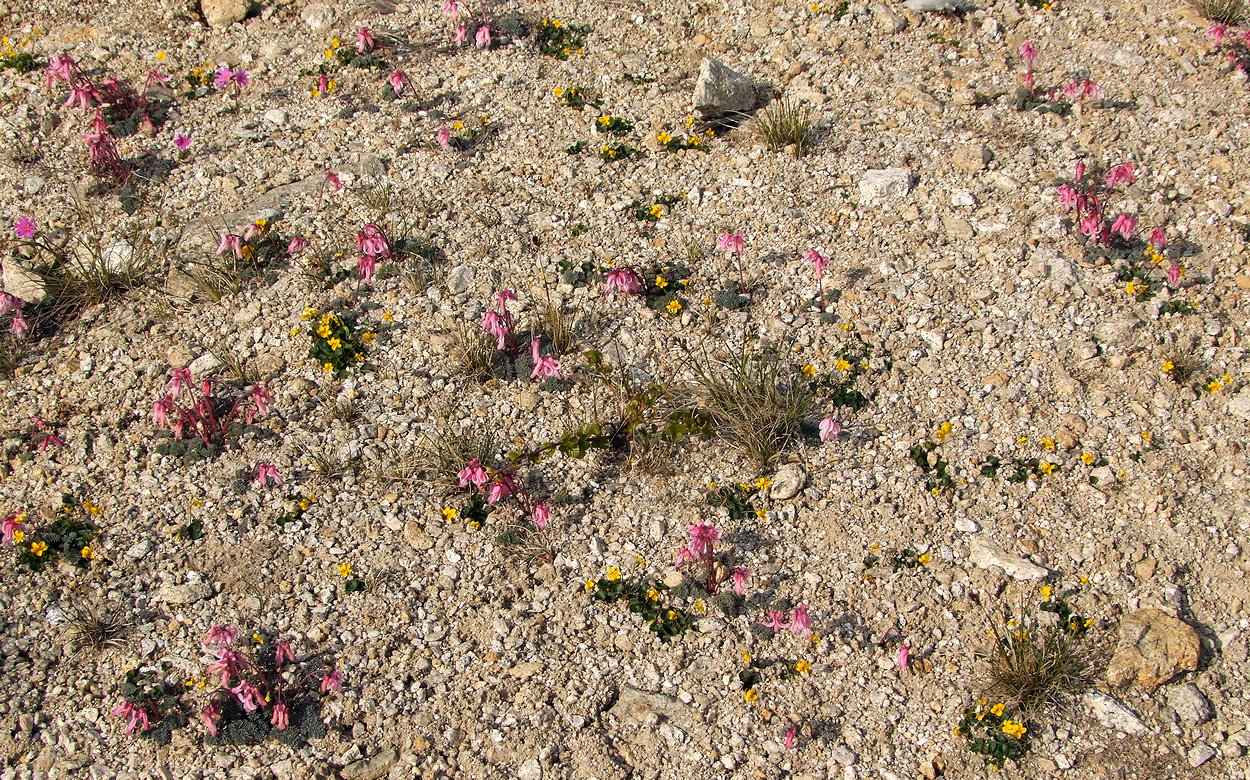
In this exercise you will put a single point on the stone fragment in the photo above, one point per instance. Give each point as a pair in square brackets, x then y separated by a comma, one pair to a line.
[416, 537]
[886, 184]
[223, 13]
[971, 158]
[986, 555]
[1114, 715]
[887, 20]
[370, 768]
[319, 17]
[933, 6]
[1199, 755]
[640, 708]
[1114, 55]
[1154, 647]
[1238, 405]
[460, 279]
[787, 482]
[24, 283]
[193, 590]
[1189, 704]
[721, 90]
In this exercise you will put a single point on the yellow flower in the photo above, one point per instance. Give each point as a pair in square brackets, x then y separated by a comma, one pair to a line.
[746, 657]
[614, 574]
[1048, 443]
[1145, 436]
[689, 121]
[657, 211]
[699, 607]
[368, 337]
[671, 614]
[663, 137]
[457, 126]
[345, 569]
[39, 548]
[307, 314]
[589, 585]
[160, 56]
[1022, 440]
[814, 8]
[359, 357]
[653, 594]
[334, 343]
[605, 120]
[761, 514]
[195, 502]
[803, 667]
[673, 306]
[558, 91]
[1046, 467]
[556, 23]
[998, 709]
[475, 525]
[1087, 458]
[842, 365]
[808, 370]
[924, 560]
[87, 553]
[1089, 622]
[763, 483]
[1083, 580]
[246, 251]
[1215, 385]
[661, 282]
[944, 430]
[323, 330]
[1046, 591]
[330, 86]
[18, 536]
[1013, 729]
[641, 561]
[335, 43]
[750, 695]
[450, 513]
[329, 368]
[258, 639]
[1131, 288]
[296, 331]
[386, 315]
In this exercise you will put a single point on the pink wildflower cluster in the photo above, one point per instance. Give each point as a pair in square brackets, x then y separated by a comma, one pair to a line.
[498, 322]
[10, 526]
[373, 245]
[501, 484]
[102, 155]
[1235, 47]
[11, 306]
[188, 408]
[623, 280]
[43, 432]
[1085, 198]
[462, 19]
[702, 549]
[800, 624]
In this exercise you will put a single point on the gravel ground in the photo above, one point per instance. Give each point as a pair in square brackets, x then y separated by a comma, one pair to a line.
[980, 307]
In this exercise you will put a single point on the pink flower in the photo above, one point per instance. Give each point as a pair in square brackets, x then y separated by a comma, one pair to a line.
[18, 326]
[543, 367]
[829, 429]
[460, 35]
[332, 681]
[182, 141]
[443, 136]
[483, 37]
[231, 242]
[281, 717]
[703, 538]
[776, 621]
[501, 488]
[221, 636]
[801, 624]
[83, 95]
[902, 658]
[10, 303]
[741, 575]
[473, 474]
[51, 439]
[364, 40]
[60, 69]
[267, 474]
[1067, 196]
[685, 554]
[623, 280]
[248, 696]
[791, 737]
[1124, 225]
[296, 246]
[398, 80]
[229, 664]
[1028, 80]
[161, 410]
[1091, 226]
[223, 76]
[1121, 174]
[503, 296]
[541, 516]
[450, 8]
[818, 261]
[1028, 53]
[1080, 172]
[1174, 276]
[282, 653]
[24, 227]
[10, 526]
[1217, 32]
[137, 713]
[241, 78]
[323, 84]
[372, 241]
[332, 180]
[365, 265]
[730, 242]
[181, 376]
[210, 715]
[1159, 239]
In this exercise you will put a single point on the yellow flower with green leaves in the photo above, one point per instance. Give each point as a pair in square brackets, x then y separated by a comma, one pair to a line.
[1046, 467]
[39, 548]
[450, 513]
[998, 709]
[663, 137]
[334, 343]
[87, 553]
[345, 570]
[368, 337]
[613, 574]
[803, 667]
[750, 695]
[1013, 729]
[673, 306]
[808, 370]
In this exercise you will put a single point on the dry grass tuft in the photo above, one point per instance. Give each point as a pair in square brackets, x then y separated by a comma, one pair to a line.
[783, 124]
[1230, 12]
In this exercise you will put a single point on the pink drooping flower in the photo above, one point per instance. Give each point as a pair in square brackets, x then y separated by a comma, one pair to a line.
[281, 717]
[136, 713]
[364, 40]
[209, 717]
[282, 653]
[323, 85]
[703, 538]
[296, 246]
[443, 136]
[730, 242]
[460, 35]
[1218, 32]
[1174, 276]
[60, 68]
[221, 636]
[332, 681]
[1124, 225]
[1028, 53]
[450, 9]
[398, 80]
[1159, 239]
[248, 695]
[1027, 78]
[791, 737]
[623, 280]
[503, 486]
[473, 474]
[24, 227]
[10, 526]
[231, 242]
[229, 665]
[902, 659]
[82, 93]
[51, 440]
[9, 302]
[267, 474]
[365, 266]
[1067, 196]
[829, 429]
[372, 241]
[182, 141]
[1091, 226]
[541, 516]
[1121, 174]
[543, 366]
[483, 37]
[741, 576]
[776, 621]
[818, 262]
[801, 624]
[18, 326]
[102, 155]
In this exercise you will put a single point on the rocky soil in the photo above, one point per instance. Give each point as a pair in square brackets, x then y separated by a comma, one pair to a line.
[935, 200]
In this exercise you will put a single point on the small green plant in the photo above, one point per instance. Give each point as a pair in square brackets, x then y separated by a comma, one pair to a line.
[574, 97]
[644, 598]
[339, 343]
[785, 123]
[22, 61]
[620, 151]
[736, 499]
[757, 668]
[66, 533]
[672, 143]
[1037, 662]
[650, 208]
[613, 125]
[555, 38]
[637, 78]
[296, 507]
[993, 732]
[938, 478]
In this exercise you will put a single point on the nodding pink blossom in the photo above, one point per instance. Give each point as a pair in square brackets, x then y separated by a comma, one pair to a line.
[267, 474]
[541, 516]
[829, 429]
[483, 37]
[372, 241]
[1124, 225]
[460, 35]
[623, 280]
[703, 537]
[229, 664]
[10, 526]
[248, 696]
[137, 713]
[494, 324]
[902, 659]
[450, 8]
[281, 717]
[730, 242]
[181, 376]
[741, 576]
[776, 621]
[443, 136]
[1174, 276]
[501, 488]
[231, 242]
[801, 624]
[1028, 53]
[182, 141]
[818, 262]
[221, 636]
[1067, 196]
[296, 245]
[209, 716]
[791, 737]
[82, 94]
[1080, 172]
[543, 367]
[1159, 239]
[473, 474]
[24, 227]
[1121, 174]
[9, 302]
[323, 85]
[1091, 226]
[332, 180]
[282, 653]
[18, 326]
[161, 410]
[60, 69]
[332, 681]
[398, 80]
[364, 40]
[365, 266]
[1218, 32]
[51, 439]
[503, 296]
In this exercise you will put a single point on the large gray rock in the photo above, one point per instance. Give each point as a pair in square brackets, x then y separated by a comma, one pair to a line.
[319, 17]
[223, 13]
[24, 283]
[880, 186]
[721, 90]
